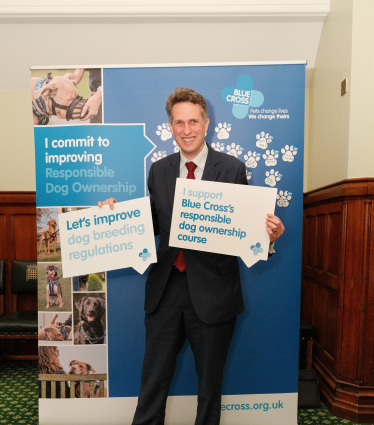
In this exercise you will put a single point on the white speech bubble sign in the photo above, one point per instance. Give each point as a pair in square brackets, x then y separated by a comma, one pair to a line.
[100, 239]
[223, 218]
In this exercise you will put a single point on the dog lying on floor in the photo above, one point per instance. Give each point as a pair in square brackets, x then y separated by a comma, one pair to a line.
[53, 287]
[55, 331]
[91, 328]
[55, 96]
[82, 368]
[49, 236]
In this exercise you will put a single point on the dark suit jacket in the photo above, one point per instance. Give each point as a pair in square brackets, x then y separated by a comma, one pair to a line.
[213, 279]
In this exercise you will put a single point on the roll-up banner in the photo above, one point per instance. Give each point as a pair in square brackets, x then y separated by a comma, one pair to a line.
[97, 132]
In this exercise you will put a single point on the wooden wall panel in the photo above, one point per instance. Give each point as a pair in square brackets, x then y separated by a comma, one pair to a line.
[331, 323]
[17, 241]
[334, 243]
[25, 236]
[338, 293]
[3, 245]
[320, 246]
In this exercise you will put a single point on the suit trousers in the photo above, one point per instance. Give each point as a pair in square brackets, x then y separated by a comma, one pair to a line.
[167, 328]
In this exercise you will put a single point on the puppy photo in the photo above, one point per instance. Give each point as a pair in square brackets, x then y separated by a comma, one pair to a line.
[59, 331]
[89, 319]
[81, 368]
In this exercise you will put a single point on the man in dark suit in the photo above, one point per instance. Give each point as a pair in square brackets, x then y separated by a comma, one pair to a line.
[189, 294]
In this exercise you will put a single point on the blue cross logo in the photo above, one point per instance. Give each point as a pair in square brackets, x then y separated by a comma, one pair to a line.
[257, 248]
[144, 254]
[242, 96]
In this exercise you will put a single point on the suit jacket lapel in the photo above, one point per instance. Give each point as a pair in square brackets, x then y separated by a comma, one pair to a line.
[173, 174]
[211, 170]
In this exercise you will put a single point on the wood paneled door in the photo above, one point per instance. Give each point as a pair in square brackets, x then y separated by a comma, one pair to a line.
[338, 293]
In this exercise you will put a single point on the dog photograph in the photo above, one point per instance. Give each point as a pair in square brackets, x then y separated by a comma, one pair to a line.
[48, 233]
[89, 282]
[66, 96]
[89, 363]
[53, 327]
[89, 318]
[54, 291]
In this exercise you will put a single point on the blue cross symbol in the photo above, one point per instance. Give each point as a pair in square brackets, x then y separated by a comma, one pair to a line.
[257, 248]
[145, 254]
[242, 96]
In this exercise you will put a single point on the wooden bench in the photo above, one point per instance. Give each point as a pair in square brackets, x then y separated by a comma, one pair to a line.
[53, 378]
[21, 324]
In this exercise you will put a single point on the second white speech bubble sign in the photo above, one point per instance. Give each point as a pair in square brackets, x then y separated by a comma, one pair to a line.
[222, 218]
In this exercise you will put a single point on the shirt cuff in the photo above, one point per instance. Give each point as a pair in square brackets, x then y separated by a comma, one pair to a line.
[271, 248]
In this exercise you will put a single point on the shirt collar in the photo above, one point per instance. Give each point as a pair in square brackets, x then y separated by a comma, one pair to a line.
[199, 160]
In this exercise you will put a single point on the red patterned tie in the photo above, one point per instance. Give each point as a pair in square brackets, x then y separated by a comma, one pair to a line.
[179, 261]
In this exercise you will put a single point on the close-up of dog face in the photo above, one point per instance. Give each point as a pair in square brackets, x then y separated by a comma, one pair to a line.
[52, 223]
[80, 368]
[90, 308]
[52, 271]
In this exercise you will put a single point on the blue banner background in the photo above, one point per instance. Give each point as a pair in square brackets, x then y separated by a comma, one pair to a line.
[263, 356]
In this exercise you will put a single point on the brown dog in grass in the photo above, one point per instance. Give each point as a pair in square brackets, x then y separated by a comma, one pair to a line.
[49, 236]
[54, 332]
[82, 368]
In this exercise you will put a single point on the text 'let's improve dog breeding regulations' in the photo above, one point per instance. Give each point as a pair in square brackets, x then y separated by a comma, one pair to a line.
[96, 238]
[222, 218]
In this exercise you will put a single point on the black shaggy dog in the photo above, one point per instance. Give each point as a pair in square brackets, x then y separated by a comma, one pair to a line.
[90, 328]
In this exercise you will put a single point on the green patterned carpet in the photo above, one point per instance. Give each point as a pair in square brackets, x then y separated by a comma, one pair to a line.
[321, 417]
[18, 393]
[19, 398]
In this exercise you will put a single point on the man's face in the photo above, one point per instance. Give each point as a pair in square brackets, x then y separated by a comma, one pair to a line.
[188, 128]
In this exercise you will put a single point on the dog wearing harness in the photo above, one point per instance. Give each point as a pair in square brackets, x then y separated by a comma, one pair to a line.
[53, 287]
[90, 328]
[55, 332]
[49, 236]
[55, 96]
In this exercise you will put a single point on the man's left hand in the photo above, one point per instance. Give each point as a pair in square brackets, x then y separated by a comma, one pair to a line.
[274, 227]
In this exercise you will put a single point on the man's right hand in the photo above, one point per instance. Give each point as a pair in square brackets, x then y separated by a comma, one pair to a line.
[110, 202]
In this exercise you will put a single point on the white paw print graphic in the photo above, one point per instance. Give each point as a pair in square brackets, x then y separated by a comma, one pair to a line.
[234, 150]
[223, 130]
[272, 177]
[176, 147]
[158, 155]
[263, 140]
[270, 157]
[283, 198]
[251, 159]
[289, 153]
[249, 175]
[164, 132]
[219, 146]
